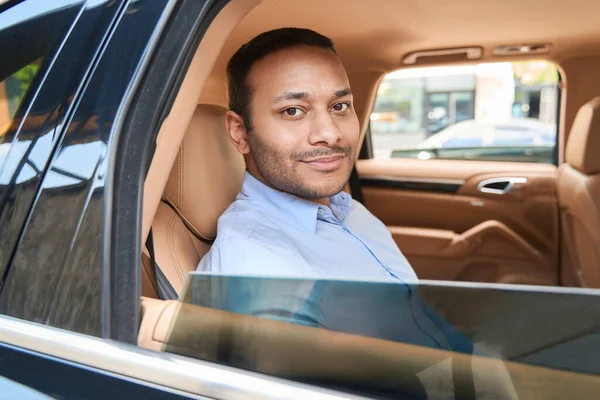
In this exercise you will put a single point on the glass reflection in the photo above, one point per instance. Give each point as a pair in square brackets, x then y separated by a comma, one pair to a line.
[28, 10]
[389, 340]
[379, 309]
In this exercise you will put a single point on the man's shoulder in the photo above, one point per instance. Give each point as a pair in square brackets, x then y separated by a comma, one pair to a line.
[244, 221]
[256, 250]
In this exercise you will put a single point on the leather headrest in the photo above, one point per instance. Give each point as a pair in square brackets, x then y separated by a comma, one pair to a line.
[207, 174]
[583, 144]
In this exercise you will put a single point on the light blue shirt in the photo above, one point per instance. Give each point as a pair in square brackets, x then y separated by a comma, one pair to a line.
[266, 232]
[281, 257]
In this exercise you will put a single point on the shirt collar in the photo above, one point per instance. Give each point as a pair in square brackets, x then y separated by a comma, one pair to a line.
[301, 212]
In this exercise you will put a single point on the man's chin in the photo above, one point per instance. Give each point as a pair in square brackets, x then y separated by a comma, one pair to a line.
[323, 191]
[327, 185]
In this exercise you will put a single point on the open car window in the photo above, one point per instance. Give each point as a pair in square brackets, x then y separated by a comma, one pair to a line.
[393, 340]
[486, 112]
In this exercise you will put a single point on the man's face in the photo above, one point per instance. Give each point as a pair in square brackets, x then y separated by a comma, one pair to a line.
[304, 127]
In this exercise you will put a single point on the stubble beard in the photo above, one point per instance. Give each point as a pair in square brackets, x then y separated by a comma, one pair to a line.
[275, 171]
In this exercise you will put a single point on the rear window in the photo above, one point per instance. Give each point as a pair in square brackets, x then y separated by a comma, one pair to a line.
[485, 112]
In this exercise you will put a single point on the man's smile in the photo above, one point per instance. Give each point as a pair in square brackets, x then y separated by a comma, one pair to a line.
[327, 163]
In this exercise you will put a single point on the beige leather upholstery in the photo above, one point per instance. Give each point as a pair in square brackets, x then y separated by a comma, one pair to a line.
[584, 140]
[204, 180]
[207, 173]
[579, 197]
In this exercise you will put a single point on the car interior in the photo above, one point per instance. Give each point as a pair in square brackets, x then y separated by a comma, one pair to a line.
[544, 231]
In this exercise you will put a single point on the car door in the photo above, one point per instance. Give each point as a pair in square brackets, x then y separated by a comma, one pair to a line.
[475, 201]
[49, 50]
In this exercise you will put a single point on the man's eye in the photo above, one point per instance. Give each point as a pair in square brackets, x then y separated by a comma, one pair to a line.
[341, 107]
[292, 112]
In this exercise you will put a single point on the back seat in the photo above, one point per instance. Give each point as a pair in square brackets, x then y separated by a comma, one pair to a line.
[206, 177]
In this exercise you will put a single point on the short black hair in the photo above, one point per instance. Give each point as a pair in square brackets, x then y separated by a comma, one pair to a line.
[241, 62]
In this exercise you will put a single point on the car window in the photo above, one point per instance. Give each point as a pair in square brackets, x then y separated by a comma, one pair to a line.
[392, 340]
[31, 34]
[26, 54]
[486, 112]
[41, 70]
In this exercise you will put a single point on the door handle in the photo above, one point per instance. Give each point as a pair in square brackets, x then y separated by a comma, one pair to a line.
[499, 185]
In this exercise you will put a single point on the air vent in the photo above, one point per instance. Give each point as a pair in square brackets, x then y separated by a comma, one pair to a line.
[443, 55]
[522, 49]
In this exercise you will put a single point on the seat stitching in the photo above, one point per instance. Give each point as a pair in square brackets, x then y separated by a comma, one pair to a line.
[179, 176]
[171, 245]
[186, 221]
[182, 177]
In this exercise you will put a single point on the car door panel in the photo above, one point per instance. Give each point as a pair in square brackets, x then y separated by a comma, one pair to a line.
[450, 229]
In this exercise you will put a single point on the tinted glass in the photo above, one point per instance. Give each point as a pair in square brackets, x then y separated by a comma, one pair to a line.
[59, 274]
[31, 34]
[487, 112]
[390, 340]
[38, 274]
[12, 93]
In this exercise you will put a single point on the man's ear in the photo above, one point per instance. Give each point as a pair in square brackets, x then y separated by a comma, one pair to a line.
[236, 129]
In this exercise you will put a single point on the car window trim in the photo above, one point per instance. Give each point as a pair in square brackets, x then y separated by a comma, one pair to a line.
[181, 373]
[121, 284]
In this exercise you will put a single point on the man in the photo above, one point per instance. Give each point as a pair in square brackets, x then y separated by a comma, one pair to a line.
[292, 117]
[293, 246]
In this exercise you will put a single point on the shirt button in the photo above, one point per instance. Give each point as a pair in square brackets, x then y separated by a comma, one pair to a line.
[320, 211]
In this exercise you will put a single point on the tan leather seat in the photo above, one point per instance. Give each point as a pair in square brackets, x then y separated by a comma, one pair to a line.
[204, 180]
[579, 199]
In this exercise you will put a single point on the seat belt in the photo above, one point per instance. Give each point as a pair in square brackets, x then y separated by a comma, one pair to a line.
[166, 291]
[355, 188]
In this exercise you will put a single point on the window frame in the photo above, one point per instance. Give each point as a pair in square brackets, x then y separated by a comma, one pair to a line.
[148, 103]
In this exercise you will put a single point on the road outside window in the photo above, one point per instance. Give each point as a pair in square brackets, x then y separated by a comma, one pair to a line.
[486, 112]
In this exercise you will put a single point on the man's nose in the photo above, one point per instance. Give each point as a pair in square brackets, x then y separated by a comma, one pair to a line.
[324, 131]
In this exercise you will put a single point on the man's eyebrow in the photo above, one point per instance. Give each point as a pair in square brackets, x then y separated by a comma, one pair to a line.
[343, 92]
[291, 96]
